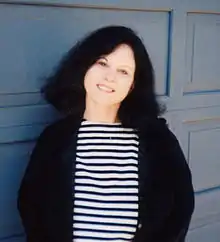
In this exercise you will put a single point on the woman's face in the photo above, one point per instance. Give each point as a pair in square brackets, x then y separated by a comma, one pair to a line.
[110, 79]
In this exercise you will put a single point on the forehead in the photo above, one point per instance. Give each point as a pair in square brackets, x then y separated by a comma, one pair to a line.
[123, 54]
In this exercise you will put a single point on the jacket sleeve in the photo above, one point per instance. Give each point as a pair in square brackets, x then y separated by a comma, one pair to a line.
[32, 188]
[178, 223]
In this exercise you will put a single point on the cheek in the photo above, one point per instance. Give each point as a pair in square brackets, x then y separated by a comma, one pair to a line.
[90, 79]
[124, 89]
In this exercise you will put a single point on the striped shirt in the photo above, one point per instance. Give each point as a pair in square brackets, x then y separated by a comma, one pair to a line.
[106, 183]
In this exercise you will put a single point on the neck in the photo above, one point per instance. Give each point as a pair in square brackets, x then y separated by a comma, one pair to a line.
[100, 113]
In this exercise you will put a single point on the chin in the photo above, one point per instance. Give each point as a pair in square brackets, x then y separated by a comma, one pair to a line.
[105, 102]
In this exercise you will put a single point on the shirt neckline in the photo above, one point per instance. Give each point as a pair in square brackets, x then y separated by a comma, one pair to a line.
[85, 121]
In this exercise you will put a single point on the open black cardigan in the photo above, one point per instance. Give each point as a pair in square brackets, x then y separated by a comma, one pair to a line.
[166, 197]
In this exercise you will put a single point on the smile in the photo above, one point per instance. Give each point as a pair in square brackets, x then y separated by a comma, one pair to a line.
[105, 88]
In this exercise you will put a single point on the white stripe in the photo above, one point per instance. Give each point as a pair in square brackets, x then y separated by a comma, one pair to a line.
[93, 211]
[108, 146]
[106, 183]
[107, 160]
[106, 190]
[104, 220]
[107, 141]
[110, 154]
[107, 168]
[86, 122]
[97, 240]
[106, 198]
[105, 128]
[102, 235]
[106, 175]
[106, 205]
[104, 227]
[100, 135]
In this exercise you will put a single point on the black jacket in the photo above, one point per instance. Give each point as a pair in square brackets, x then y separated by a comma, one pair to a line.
[45, 199]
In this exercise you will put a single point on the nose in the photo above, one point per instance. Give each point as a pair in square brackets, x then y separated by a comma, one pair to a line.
[110, 76]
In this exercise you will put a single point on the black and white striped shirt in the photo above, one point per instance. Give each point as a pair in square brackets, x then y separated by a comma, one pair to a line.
[106, 183]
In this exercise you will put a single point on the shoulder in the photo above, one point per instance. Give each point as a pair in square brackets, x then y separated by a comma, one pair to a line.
[58, 132]
[157, 132]
[162, 143]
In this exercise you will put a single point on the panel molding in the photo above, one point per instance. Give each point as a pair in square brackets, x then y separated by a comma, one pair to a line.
[205, 119]
[198, 135]
[89, 6]
[21, 99]
[196, 23]
[203, 12]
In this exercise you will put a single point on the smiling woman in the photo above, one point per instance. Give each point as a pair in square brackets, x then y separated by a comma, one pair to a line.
[107, 82]
[110, 170]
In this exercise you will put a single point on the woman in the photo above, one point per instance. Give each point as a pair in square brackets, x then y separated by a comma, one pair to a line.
[110, 170]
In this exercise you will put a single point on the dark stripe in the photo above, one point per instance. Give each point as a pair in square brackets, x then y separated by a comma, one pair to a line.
[106, 186]
[101, 125]
[107, 150]
[109, 144]
[106, 202]
[107, 138]
[107, 179]
[109, 209]
[81, 131]
[107, 224]
[107, 164]
[107, 194]
[97, 238]
[105, 216]
[103, 231]
[107, 157]
[105, 172]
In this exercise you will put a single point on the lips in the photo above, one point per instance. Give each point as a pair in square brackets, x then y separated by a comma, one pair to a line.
[105, 88]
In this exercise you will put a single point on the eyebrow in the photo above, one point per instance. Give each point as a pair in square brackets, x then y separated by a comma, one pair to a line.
[127, 67]
[102, 57]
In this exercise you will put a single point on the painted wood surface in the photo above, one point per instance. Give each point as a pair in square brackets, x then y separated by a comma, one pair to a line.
[183, 39]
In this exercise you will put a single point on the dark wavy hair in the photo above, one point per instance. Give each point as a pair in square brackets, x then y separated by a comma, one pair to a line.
[65, 90]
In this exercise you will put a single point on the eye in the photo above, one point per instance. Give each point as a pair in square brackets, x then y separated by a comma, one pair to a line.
[102, 63]
[124, 72]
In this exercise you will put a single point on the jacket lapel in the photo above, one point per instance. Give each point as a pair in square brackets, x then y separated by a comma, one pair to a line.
[67, 170]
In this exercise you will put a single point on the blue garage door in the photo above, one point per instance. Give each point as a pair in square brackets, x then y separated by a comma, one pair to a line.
[183, 39]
